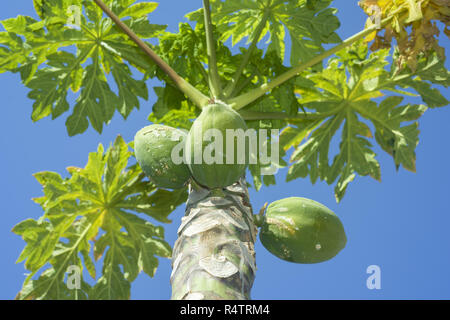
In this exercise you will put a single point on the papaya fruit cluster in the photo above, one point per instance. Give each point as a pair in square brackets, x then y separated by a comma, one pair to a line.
[293, 229]
[158, 151]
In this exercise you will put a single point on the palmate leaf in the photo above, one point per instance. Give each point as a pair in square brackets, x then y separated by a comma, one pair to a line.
[343, 98]
[309, 25]
[92, 211]
[53, 57]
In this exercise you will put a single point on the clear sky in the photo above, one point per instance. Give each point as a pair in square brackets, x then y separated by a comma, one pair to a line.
[401, 224]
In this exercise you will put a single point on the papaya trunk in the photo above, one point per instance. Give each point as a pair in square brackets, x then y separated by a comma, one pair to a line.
[214, 257]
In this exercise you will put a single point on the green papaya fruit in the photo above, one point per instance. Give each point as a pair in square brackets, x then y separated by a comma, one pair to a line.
[153, 149]
[302, 230]
[211, 163]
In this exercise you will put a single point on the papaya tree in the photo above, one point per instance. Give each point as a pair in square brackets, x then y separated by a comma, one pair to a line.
[319, 88]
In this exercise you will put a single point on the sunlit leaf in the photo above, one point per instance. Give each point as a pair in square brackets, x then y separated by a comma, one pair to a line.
[308, 26]
[343, 99]
[94, 210]
[54, 55]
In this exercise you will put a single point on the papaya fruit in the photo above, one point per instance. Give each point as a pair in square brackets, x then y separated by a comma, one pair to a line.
[217, 159]
[153, 149]
[301, 230]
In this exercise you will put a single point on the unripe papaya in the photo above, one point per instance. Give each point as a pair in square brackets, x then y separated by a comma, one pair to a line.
[302, 230]
[153, 149]
[211, 163]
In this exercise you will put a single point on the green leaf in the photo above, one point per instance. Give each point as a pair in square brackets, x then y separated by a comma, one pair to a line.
[41, 240]
[344, 93]
[51, 286]
[282, 99]
[355, 155]
[177, 118]
[311, 157]
[96, 103]
[157, 204]
[112, 285]
[308, 26]
[185, 52]
[139, 10]
[52, 57]
[266, 163]
[129, 89]
[146, 240]
[94, 209]
[399, 141]
[293, 136]
[429, 70]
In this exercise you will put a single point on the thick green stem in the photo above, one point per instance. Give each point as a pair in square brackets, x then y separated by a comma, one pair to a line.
[213, 257]
[214, 79]
[192, 93]
[247, 98]
[259, 29]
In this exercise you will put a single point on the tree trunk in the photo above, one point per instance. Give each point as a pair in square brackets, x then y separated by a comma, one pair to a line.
[214, 257]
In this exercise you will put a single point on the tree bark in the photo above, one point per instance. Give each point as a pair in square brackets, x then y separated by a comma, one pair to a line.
[214, 257]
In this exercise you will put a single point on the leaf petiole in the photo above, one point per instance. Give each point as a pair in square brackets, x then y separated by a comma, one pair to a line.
[213, 73]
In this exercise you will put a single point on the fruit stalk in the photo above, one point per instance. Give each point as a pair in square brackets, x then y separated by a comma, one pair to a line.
[213, 72]
[214, 257]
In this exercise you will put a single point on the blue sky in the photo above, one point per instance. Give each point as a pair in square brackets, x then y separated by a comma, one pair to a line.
[400, 224]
